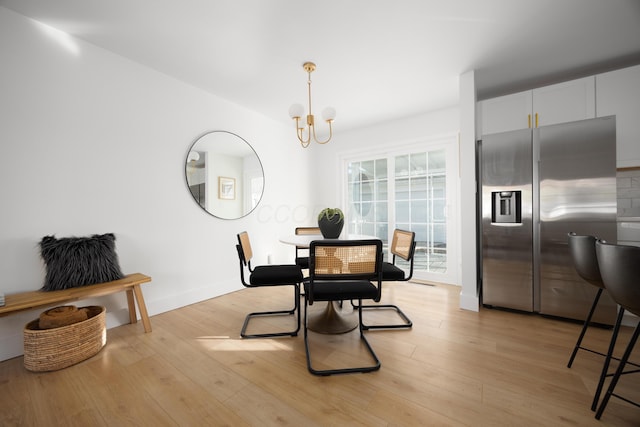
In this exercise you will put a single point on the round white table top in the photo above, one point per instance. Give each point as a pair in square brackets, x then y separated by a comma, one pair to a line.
[304, 240]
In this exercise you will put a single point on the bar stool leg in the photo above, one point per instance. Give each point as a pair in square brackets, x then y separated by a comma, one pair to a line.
[584, 327]
[607, 360]
[619, 372]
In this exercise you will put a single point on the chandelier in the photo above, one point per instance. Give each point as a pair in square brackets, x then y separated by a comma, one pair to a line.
[296, 111]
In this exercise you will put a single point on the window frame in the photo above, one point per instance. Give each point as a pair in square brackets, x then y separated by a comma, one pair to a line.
[450, 144]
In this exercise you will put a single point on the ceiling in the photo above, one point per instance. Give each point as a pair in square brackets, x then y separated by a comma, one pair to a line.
[376, 59]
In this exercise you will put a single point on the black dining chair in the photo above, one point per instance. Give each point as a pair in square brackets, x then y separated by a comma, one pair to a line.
[620, 269]
[268, 275]
[403, 245]
[302, 255]
[343, 270]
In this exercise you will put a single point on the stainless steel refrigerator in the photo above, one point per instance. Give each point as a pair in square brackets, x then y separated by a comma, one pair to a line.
[537, 186]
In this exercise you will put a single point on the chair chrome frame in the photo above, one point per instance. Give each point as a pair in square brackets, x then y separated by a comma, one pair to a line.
[292, 277]
[339, 270]
[403, 245]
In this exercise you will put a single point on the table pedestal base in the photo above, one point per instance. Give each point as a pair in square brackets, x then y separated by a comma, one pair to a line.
[329, 321]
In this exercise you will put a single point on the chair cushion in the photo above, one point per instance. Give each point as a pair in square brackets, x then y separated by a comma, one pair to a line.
[276, 275]
[391, 272]
[302, 262]
[335, 290]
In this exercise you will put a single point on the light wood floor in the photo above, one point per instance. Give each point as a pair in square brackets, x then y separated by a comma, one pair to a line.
[455, 367]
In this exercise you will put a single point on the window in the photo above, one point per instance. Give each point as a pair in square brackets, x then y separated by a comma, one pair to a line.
[410, 190]
[369, 206]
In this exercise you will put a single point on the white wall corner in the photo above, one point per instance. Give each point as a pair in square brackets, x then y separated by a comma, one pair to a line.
[469, 302]
[469, 298]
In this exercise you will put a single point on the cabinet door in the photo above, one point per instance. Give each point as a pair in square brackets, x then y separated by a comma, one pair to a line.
[619, 95]
[505, 113]
[564, 102]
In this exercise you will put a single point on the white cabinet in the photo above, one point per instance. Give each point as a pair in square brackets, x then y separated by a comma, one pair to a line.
[565, 102]
[506, 113]
[618, 93]
[548, 105]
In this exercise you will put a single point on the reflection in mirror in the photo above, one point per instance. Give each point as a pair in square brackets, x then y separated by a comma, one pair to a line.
[224, 175]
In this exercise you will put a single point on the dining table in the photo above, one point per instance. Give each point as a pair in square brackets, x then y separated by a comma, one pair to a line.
[304, 240]
[334, 318]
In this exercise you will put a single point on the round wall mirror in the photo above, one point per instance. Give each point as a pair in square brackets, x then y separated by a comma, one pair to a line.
[224, 175]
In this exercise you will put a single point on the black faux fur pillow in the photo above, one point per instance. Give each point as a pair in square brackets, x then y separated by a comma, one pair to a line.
[79, 261]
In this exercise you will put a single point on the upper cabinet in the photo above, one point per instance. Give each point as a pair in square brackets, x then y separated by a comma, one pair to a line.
[558, 103]
[505, 113]
[565, 102]
[618, 93]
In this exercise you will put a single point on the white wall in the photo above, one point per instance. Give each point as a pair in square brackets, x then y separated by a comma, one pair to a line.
[469, 298]
[91, 142]
[325, 168]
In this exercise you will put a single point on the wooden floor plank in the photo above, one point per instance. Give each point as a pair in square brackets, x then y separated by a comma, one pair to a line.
[453, 368]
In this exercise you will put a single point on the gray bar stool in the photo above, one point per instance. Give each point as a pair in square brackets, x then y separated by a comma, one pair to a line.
[620, 269]
[583, 253]
[585, 261]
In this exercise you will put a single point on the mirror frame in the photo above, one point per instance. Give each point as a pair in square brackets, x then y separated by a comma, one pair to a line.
[219, 187]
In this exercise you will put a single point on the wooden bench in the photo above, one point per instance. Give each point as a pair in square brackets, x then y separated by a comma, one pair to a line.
[36, 299]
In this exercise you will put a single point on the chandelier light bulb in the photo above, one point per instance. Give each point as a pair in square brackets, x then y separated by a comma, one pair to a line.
[329, 114]
[296, 111]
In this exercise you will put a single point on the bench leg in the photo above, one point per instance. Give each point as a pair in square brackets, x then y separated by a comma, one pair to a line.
[142, 307]
[132, 306]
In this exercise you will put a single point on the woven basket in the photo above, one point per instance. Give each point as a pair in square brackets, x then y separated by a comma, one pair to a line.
[58, 348]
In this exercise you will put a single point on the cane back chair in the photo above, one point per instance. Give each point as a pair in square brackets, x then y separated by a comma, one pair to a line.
[343, 270]
[302, 256]
[268, 275]
[403, 245]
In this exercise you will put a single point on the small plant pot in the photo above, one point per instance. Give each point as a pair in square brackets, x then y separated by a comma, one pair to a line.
[331, 228]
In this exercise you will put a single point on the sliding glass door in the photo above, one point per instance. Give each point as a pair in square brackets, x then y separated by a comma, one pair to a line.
[412, 190]
[368, 203]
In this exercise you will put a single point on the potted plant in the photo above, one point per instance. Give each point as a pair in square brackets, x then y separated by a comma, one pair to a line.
[331, 221]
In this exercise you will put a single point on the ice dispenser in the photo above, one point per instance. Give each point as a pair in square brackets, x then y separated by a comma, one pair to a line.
[506, 207]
